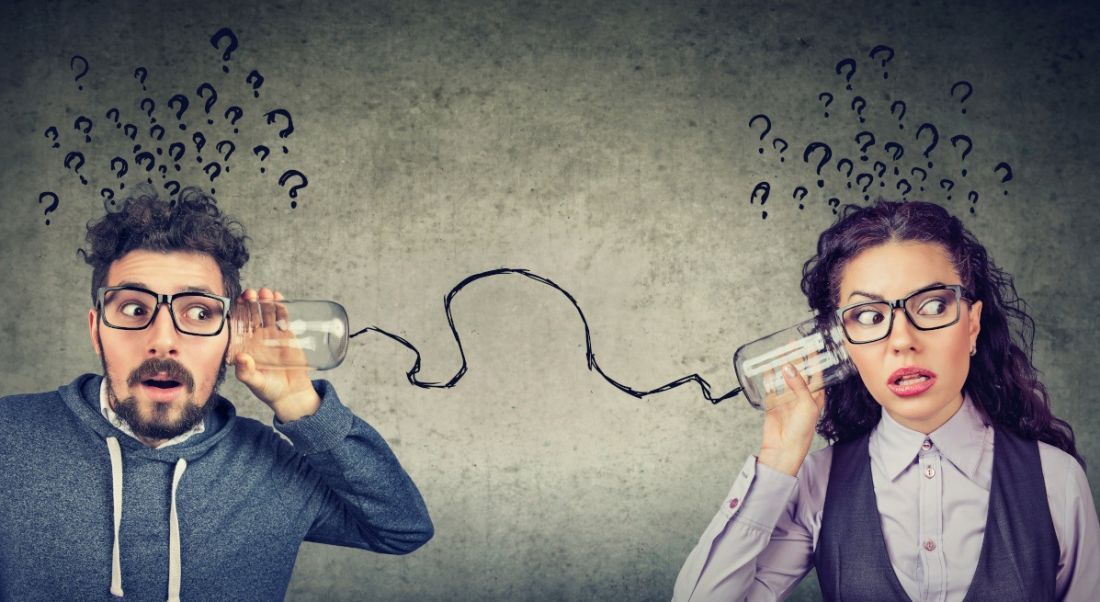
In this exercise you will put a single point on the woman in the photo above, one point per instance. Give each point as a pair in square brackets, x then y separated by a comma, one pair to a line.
[947, 476]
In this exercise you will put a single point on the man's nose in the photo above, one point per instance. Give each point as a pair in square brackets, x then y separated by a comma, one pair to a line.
[164, 337]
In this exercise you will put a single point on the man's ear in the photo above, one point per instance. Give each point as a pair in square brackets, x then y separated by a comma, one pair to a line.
[91, 331]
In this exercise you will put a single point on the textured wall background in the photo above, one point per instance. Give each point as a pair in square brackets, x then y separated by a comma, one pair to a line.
[606, 146]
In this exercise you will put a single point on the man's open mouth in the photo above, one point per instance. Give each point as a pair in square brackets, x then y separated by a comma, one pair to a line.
[161, 384]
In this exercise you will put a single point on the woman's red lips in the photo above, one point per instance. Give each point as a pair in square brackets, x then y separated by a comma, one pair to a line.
[916, 387]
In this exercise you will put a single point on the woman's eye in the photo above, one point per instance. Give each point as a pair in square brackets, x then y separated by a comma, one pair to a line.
[933, 307]
[868, 317]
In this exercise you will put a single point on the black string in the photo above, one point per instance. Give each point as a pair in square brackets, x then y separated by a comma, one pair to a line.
[704, 386]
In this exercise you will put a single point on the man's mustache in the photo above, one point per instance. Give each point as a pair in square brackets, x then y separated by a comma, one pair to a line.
[151, 367]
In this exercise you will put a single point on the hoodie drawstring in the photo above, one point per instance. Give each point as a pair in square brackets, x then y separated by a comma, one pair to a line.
[174, 538]
[174, 565]
[116, 482]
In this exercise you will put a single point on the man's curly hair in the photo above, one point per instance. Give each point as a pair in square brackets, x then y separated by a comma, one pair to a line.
[191, 223]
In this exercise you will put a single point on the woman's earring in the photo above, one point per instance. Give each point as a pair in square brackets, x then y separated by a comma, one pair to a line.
[974, 350]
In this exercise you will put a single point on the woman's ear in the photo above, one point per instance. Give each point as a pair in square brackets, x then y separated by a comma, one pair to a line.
[975, 322]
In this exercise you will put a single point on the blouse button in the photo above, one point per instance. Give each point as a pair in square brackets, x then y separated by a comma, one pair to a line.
[733, 503]
[929, 545]
[927, 445]
[929, 472]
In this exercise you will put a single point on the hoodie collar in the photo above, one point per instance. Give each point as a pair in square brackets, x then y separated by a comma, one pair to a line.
[82, 398]
[120, 424]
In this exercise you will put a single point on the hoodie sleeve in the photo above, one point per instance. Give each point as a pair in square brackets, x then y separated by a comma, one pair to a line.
[356, 493]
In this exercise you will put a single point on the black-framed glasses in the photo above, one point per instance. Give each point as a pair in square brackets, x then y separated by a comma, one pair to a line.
[134, 308]
[930, 308]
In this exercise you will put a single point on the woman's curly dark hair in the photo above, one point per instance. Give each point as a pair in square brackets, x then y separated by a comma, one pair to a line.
[190, 223]
[1002, 379]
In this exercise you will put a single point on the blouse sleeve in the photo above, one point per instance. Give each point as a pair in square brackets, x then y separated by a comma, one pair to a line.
[756, 547]
[1075, 522]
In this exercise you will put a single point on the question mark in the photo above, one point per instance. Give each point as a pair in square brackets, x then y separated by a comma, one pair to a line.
[908, 186]
[130, 130]
[864, 145]
[52, 206]
[176, 156]
[828, 101]
[256, 80]
[145, 155]
[784, 142]
[140, 73]
[113, 114]
[181, 100]
[289, 129]
[935, 140]
[217, 170]
[810, 148]
[262, 152]
[232, 147]
[108, 195]
[858, 104]
[52, 130]
[973, 196]
[79, 158]
[767, 126]
[870, 180]
[215, 40]
[890, 55]
[200, 141]
[898, 152]
[834, 203]
[969, 145]
[172, 186]
[923, 176]
[763, 188]
[848, 76]
[947, 185]
[1008, 172]
[149, 110]
[237, 112]
[851, 166]
[294, 189]
[157, 132]
[896, 105]
[800, 197]
[209, 101]
[121, 170]
[86, 129]
[969, 91]
[83, 72]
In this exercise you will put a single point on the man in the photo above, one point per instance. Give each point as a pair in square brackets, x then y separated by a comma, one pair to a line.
[143, 482]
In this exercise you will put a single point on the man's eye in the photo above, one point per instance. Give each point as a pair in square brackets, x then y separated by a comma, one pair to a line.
[132, 309]
[198, 313]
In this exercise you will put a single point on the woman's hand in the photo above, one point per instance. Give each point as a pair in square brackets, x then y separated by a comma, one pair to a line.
[789, 423]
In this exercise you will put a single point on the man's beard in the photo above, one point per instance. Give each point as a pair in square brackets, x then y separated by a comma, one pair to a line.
[159, 426]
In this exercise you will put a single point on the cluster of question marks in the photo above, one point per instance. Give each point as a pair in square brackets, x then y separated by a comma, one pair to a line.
[877, 158]
[147, 146]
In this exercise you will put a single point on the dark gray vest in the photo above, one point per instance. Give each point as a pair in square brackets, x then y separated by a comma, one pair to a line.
[1019, 556]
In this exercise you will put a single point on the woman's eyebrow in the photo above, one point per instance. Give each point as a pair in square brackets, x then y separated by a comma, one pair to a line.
[878, 297]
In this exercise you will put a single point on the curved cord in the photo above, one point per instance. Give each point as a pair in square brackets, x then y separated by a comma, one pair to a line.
[704, 386]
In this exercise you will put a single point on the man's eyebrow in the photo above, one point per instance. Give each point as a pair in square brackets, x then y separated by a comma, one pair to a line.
[878, 297]
[198, 288]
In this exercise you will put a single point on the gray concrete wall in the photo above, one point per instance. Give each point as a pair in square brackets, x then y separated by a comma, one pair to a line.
[605, 146]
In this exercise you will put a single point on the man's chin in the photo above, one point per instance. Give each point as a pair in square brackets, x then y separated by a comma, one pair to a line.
[154, 419]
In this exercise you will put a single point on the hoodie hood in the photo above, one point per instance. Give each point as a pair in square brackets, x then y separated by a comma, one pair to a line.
[82, 398]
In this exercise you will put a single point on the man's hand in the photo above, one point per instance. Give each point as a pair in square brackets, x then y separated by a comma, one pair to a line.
[287, 391]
